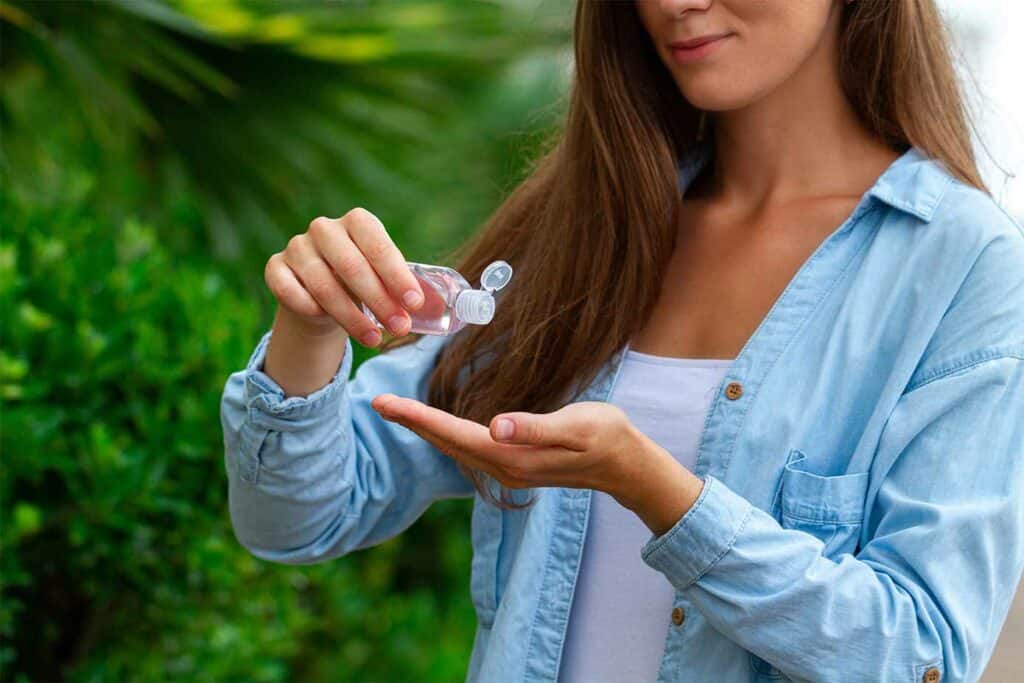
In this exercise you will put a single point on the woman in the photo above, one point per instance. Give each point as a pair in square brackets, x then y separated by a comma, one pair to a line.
[769, 429]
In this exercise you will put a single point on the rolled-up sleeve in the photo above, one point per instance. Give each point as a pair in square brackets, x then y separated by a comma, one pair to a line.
[941, 551]
[314, 477]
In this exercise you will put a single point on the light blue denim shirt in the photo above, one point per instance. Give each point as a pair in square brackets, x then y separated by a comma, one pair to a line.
[862, 516]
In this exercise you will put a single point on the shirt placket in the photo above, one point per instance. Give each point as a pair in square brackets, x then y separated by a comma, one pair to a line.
[740, 387]
[561, 568]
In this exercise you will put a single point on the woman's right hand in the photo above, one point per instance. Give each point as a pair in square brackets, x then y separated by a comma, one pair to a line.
[325, 273]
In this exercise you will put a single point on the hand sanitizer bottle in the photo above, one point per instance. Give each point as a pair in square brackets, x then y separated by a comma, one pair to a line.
[450, 301]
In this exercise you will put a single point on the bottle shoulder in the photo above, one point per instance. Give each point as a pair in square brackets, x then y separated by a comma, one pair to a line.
[448, 278]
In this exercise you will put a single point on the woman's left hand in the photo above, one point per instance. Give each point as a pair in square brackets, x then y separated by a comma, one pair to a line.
[590, 444]
[582, 445]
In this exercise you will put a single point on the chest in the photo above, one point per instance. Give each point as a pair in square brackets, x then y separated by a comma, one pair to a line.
[726, 272]
[819, 381]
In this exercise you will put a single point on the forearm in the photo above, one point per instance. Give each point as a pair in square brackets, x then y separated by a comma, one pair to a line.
[302, 358]
[285, 460]
[870, 618]
[317, 476]
[877, 616]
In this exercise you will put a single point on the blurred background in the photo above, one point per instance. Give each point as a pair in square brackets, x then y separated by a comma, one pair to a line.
[153, 154]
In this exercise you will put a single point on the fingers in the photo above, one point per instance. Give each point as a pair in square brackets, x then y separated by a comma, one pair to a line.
[369, 266]
[373, 240]
[514, 465]
[333, 243]
[320, 283]
[327, 275]
[459, 437]
[288, 289]
[561, 428]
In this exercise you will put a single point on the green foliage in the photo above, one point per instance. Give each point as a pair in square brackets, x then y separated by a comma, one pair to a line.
[152, 157]
[118, 560]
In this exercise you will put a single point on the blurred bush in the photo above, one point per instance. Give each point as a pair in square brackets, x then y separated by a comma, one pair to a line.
[152, 156]
[118, 560]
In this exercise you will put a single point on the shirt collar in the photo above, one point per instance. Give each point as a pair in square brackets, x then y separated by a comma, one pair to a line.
[913, 183]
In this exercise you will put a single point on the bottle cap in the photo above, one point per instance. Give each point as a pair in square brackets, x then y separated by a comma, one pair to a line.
[495, 276]
[475, 306]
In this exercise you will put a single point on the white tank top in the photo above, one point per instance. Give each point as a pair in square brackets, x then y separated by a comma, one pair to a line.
[622, 608]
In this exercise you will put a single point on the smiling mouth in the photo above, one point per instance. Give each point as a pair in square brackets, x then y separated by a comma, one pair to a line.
[696, 49]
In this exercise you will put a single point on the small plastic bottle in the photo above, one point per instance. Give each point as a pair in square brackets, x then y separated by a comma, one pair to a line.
[450, 301]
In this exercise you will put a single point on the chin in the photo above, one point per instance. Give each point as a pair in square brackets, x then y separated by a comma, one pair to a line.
[717, 97]
[719, 91]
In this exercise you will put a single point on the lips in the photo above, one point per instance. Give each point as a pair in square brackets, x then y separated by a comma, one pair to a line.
[697, 49]
[696, 42]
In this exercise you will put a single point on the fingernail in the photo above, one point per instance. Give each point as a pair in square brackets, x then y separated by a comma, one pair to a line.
[412, 297]
[395, 322]
[504, 429]
[371, 338]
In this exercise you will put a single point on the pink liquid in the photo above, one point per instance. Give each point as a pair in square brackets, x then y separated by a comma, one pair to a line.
[440, 287]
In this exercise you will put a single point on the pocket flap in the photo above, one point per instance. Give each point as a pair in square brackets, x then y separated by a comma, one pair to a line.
[836, 499]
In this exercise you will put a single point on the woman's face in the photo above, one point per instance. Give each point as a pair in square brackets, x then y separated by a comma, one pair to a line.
[729, 54]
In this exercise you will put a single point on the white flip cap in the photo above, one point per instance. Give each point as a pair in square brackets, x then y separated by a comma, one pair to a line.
[475, 306]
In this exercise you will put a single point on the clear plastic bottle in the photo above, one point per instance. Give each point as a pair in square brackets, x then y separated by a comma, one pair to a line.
[450, 301]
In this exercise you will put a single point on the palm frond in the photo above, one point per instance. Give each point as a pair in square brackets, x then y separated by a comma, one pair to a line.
[277, 112]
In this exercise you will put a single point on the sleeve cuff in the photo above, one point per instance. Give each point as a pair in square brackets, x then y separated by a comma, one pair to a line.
[266, 399]
[701, 537]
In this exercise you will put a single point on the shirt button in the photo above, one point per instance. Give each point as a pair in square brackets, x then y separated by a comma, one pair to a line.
[678, 615]
[733, 391]
[932, 675]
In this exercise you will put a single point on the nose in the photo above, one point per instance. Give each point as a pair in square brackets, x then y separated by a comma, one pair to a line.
[676, 8]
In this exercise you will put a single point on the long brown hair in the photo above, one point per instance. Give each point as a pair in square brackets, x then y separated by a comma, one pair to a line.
[590, 230]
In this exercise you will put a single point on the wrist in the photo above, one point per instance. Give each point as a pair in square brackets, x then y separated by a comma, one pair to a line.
[299, 359]
[296, 325]
[657, 487]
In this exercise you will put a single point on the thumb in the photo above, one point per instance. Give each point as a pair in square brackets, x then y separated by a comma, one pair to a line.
[532, 428]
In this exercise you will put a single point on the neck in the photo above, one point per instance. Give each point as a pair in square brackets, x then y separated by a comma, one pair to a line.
[803, 139]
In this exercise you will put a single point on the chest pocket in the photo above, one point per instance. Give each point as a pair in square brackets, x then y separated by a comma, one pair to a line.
[828, 507]
[486, 533]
